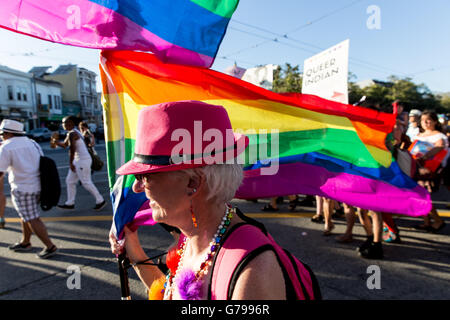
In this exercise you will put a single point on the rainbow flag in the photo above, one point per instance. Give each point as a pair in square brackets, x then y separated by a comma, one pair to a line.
[177, 31]
[324, 148]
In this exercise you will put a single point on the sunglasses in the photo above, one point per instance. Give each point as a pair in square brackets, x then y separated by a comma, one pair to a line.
[140, 177]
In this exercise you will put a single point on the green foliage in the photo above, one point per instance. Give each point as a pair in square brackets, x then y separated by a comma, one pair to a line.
[288, 78]
[412, 95]
[444, 102]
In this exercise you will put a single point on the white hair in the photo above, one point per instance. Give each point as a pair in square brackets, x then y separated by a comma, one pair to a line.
[222, 180]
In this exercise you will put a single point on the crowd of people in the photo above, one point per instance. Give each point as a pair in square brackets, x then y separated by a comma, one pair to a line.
[428, 165]
[194, 198]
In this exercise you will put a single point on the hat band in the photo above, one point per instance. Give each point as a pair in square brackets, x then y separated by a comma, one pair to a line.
[154, 160]
[167, 160]
[11, 130]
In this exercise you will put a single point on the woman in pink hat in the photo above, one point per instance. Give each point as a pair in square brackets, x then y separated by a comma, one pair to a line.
[185, 161]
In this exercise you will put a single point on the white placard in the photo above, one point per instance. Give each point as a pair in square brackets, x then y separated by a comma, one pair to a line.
[326, 74]
[260, 76]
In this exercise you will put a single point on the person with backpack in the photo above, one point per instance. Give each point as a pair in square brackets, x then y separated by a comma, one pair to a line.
[221, 254]
[20, 157]
[80, 165]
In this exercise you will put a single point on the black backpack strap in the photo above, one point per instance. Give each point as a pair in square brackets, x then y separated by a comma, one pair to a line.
[251, 221]
[297, 273]
[315, 283]
[38, 147]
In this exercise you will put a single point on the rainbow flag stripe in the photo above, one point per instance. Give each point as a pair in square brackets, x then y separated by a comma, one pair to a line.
[325, 148]
[177, 31]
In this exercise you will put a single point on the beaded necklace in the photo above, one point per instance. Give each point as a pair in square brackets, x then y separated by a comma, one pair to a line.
[188, 282]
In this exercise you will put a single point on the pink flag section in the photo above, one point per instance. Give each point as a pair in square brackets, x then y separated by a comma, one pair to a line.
[86, 24]
[349, 188]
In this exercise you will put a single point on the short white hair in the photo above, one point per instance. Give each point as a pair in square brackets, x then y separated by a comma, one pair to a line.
[222, 180]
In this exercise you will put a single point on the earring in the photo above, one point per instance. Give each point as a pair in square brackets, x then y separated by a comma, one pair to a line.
[194, 219]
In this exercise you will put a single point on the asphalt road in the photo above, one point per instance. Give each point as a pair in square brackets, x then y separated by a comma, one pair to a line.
[85, 269]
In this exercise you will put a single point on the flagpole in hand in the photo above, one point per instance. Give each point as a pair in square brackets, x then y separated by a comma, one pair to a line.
[124, 262]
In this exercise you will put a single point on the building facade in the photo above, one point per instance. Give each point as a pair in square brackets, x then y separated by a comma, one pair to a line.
[79, 87]
[41, 99]
[48, 101]
[16, 97]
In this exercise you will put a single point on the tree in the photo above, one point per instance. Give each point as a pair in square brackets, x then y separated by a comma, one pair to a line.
[444, 102]
[287, 79]
[414, 96]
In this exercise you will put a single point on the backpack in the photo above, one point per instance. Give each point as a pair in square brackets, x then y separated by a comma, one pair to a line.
[244, 242]
[50, 184]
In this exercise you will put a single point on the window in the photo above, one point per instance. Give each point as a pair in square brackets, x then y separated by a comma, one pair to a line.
[49, 101]
[57, 102]
[24, 94]
[39, 100]
[19, 96]
[10, 93]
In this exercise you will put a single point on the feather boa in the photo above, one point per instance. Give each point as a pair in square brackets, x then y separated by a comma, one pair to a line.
[188, 286]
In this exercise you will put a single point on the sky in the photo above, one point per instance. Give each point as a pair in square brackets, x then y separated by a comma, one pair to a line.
[406, 38]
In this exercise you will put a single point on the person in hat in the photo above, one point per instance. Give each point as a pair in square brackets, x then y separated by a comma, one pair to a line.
[414, 124]
[19, 156]
[189, 185]
[80, 162]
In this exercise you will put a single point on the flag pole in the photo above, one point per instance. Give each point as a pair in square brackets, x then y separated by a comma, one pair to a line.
[123, 262]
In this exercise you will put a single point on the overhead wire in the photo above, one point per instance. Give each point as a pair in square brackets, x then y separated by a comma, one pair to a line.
[284, 36]
[355, 61]
[298, 28]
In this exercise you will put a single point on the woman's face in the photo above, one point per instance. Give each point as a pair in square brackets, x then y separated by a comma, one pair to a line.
[167, 192]
[427, 122]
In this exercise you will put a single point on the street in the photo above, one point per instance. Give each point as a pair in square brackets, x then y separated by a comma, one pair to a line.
[84, 268]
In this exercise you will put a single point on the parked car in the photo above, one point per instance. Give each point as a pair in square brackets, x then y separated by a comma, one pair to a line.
[40, 134]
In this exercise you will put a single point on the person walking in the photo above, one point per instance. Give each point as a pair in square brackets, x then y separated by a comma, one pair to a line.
[88, 137]
[80, 165]
[19, 156]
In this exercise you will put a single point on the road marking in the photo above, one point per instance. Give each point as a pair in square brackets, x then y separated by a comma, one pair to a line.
[76, 218]
[442, 213]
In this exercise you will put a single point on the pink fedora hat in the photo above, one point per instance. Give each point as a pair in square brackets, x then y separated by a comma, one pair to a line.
[180, 135]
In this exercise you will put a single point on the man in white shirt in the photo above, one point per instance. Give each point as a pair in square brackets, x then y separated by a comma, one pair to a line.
[80, 166]
[20, 156]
